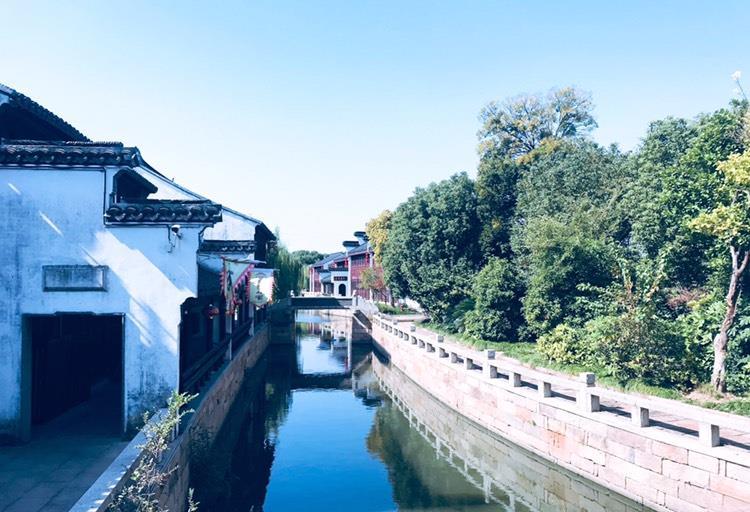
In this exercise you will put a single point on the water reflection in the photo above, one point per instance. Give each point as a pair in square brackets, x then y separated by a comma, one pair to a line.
[322, 428]
[460, 465]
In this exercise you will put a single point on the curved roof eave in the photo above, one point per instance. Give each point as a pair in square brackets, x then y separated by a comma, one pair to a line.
[46, 115]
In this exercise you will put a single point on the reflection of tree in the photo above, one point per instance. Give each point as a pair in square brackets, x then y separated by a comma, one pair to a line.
[418, 478]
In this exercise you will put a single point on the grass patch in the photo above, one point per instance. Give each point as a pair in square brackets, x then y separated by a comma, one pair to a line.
[387, 309]
[735, 406]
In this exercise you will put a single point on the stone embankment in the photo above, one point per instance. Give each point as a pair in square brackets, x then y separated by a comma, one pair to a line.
[512, 478]
[664, 454]
[210, 409]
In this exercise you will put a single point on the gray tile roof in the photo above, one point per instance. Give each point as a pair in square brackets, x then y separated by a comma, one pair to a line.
[164, 212]
[20, 101]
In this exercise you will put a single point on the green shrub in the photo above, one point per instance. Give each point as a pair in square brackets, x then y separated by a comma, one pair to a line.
[394, 310]
[496, 295]
[455, 320]
[562, 345]
[696, 327]
[488, 325]
[738, 357]
[636, 345]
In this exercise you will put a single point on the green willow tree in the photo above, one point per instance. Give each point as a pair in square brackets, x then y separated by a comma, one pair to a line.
[291, 271]
[729, 221]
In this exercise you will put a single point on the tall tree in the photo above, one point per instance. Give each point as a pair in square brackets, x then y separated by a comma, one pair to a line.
[511, 132]
[497, 180]
[568, 226]
[291, 272]
[377, 231]
[307, 257]
[519, 125]
[729, 221]
[431, 252]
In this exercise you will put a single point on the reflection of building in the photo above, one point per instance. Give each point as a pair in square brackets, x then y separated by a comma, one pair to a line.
[100, 270]
[341, 274]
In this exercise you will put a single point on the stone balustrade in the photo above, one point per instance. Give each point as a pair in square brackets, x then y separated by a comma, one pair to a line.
[667, 454]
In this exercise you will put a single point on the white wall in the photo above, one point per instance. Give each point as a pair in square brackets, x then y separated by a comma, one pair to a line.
[55, 217]
[231, 227]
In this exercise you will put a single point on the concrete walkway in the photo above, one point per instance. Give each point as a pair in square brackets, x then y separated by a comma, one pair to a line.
[663, 421]
[63, 459]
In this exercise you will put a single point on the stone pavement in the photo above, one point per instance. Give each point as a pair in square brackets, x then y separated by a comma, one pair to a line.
[64, 457]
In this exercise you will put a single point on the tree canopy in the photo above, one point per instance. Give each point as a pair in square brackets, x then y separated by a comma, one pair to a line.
[431, 251]
[518, 125]
[631, 264]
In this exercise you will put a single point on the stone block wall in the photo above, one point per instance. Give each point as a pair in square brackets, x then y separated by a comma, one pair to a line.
[210, 412]
[508, 474]
[658, 468]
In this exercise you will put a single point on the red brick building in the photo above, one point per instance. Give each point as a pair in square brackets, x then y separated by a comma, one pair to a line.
[340, 274]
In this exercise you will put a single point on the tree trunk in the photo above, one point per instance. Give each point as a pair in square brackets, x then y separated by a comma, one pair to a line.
[718, 376]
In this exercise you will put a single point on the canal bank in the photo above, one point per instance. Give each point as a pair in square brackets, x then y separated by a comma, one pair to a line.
[503, 473]
[663, 454]
[317, 426]
[210, 410]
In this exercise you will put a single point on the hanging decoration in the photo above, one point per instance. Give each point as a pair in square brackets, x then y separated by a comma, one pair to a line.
[261, 286]
[233, 275]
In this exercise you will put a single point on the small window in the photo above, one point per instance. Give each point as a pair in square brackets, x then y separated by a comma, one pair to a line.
[129, 187]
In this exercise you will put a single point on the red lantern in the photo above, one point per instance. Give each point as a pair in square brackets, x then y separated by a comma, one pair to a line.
[212, 311]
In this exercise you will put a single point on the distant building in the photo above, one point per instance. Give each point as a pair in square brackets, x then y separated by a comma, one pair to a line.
[330, 275]
[111, 273]
[340, 274]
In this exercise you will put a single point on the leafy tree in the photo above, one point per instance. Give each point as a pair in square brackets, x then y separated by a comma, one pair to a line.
[377, 231]
[568, 230]
[431, 252]
[729, 221]
[496, 292]
[372, 279]
[676, 180]
[291, 273]
[307, 257]
[653, 220]
[497, 180]
[562, 175]
[519, 125]
[567, 260]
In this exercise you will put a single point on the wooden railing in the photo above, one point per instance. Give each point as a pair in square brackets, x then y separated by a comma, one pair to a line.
[195, 376]
[586, 394]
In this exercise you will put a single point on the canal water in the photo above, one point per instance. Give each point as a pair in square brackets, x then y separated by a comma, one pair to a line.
[326, 425]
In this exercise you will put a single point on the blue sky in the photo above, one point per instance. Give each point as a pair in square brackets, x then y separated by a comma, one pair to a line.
[315, 116]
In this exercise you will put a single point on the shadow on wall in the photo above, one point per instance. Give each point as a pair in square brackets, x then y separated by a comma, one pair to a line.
[146, 282]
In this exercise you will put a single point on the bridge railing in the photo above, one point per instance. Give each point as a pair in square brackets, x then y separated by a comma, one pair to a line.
[583, 392]
[319, 302]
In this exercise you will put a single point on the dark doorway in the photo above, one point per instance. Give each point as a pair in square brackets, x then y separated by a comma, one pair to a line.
[197, 333]
[342, 290]
[76, 358]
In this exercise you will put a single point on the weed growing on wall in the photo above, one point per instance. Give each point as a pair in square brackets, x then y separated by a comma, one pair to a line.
[141, 493]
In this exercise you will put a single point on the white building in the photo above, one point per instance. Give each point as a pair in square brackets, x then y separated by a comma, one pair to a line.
[98, 254]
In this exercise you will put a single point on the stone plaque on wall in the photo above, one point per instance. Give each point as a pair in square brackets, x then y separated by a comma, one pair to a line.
[74, 278]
